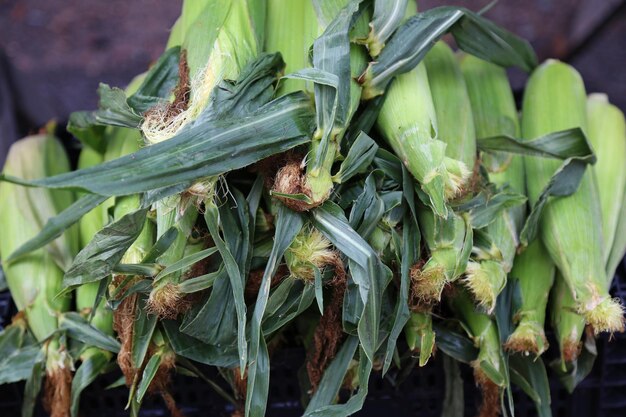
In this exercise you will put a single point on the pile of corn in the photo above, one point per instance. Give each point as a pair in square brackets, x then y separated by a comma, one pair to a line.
[330, 169]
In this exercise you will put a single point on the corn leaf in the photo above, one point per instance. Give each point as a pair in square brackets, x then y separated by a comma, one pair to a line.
[474, 34]
[359, 158]
[33, 386]
[387, 16]
[366, 268]
[161, 245]
[148, 375]
[333, 377]
[143, 329]
[87, 372]
[205, 150]
[77, 327]
[485, 206]
[355, 403]
[331, 54]
[530, 375]
[196, 350]
[455, 344]
[186, 262]
[104, 252]
[17, 364]
[453, 401]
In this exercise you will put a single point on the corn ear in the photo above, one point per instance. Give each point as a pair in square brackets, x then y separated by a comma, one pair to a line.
[493, 107]
[452, 104]
[420, 335]
[607, 134]
[616, 253]
[408, 122]
[484, 333]
[35, 279]
[566, 323]
[447, 241]
[90, 224]
[534, 271]
[571, 227]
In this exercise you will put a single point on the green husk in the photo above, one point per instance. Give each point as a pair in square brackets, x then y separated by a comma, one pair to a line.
[534, 271]
[291, 27]
[566, 322]
[495, 114]
[571, 227]
[420, 335]
[218, 39]
[607, 134]
[484, 332]
[448, 241]
[35, 279]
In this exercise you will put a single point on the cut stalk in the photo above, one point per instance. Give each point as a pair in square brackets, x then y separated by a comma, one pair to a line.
[495, 114]
[571, 227]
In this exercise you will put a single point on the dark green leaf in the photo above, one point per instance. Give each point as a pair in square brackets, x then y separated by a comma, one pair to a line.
[114, 110]
[159, 82]
[18, 364]
[359, 158]
[161, 245]
[87, 372]
[196, 350]
[530, 374]
[203, 150]
[106, 249]
[211, 216]
[333, 377]
[474, 34]
[79, 328]
[186, 262]
[455, 344]
[33, 386]
[85, 127]
[453, 401]
[288, 224]
[366, 269]
[148, 375]
[485, 207]
[143, 329]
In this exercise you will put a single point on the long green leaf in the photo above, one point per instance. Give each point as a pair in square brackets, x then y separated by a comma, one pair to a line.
[288, 224]
[86, 373]
[473, 33]
[79, 328]
[106, 249]
[203, 150]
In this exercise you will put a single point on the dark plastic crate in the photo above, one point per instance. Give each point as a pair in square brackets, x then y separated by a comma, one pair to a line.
[601, 394]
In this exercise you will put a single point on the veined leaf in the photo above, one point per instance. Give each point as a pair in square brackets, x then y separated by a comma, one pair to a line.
[86, 373]
[17, 365]
[473, 33]
[78, 328]
[200, 151]
[106, 249]
[33, 386]
[366, 269]
[288, 224]
[360, 156]
[387, 16]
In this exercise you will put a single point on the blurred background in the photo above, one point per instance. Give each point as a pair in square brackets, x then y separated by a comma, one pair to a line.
[54, 53]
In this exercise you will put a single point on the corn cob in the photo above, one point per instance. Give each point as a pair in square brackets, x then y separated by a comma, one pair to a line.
[535, 271]
[571, 226]
[607, 134]
[35, 279]
[494, 112]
